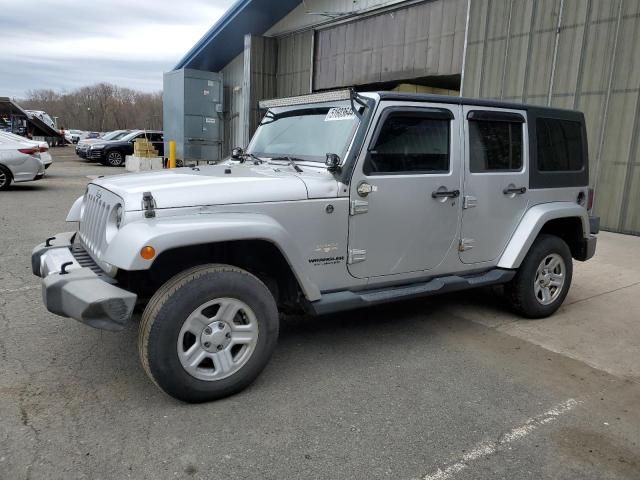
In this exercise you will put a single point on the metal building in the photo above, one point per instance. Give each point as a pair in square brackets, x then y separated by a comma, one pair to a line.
[580, 54]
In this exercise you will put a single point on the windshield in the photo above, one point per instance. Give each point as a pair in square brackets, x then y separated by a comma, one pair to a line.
[114, 135]
[306, 133]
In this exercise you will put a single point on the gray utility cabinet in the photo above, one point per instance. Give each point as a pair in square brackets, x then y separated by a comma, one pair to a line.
[193, 114]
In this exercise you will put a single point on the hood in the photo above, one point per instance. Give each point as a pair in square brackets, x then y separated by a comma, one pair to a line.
[212, 185]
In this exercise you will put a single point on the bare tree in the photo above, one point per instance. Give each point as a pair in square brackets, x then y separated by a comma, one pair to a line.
[100, 107]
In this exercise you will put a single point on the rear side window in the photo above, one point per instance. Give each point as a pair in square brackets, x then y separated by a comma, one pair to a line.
[410, 143]
[495, 146]
[559, 145]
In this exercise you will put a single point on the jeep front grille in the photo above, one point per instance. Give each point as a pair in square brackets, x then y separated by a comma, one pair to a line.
[98, 204]
[85, 260]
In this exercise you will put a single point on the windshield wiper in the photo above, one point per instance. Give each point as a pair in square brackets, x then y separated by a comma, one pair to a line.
[244, 156]
[291, 162]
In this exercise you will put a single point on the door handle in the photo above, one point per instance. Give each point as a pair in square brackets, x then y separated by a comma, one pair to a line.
[516, 190]
[445, 194]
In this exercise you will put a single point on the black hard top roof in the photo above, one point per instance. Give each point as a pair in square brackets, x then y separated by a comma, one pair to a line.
[480, 102]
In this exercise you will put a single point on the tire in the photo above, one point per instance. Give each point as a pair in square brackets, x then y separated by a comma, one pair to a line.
[533, 293]
[5, 177]
[114, 158]
[184, 321]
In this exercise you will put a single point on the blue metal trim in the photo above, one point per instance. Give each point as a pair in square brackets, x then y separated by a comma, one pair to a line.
[225, 39]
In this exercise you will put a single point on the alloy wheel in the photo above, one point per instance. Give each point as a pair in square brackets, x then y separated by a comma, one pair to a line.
[114, 159]
[550, 279]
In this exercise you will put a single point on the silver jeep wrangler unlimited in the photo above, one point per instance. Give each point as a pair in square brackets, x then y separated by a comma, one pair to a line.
[341, 200]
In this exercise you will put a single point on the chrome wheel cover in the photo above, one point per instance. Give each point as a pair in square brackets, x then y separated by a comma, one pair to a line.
[217, 339]
[550, 279]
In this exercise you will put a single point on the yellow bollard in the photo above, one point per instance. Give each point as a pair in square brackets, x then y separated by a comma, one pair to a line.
[172, 154]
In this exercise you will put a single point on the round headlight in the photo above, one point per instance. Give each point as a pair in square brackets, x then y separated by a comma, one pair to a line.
[114, 220]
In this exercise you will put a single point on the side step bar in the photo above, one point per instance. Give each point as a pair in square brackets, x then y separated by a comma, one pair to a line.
[347, 300]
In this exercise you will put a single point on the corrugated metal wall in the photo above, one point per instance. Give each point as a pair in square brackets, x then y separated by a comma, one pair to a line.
[580, 54]
[262, 67]
[313, 12]
[294, 64]
[232, 78]
[425, 39]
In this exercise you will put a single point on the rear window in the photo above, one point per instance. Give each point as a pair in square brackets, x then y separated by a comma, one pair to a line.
[495, 146]
[559, 145]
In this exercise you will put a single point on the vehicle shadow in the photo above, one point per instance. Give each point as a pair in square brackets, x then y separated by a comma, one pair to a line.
[21, 187]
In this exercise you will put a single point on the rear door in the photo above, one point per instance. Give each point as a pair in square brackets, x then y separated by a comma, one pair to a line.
[496, 181]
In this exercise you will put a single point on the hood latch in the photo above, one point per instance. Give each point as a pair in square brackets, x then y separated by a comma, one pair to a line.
[148, 205]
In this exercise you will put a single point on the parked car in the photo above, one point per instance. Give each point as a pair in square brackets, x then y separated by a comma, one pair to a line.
[76, 135]
[44, 116]
[83, 146]
[43, 147]
[113, 152]
[341, 201]
[19, 162]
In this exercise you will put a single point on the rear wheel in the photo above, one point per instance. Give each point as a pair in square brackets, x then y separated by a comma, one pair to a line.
[208, 332]
[543, 279]
[115, 158]
[5, 177]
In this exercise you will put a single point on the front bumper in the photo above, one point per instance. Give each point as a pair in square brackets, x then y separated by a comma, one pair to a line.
[71, 289]
[95, 155]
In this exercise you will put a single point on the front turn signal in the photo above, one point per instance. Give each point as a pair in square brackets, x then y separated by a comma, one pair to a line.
[147, 252]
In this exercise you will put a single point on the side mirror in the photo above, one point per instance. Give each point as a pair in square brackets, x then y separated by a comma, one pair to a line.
[332, 162]
[237, 152]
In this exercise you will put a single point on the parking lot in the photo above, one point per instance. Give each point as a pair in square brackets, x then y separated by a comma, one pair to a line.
[453, 387]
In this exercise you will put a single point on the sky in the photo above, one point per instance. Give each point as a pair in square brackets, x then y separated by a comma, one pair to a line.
[65, 44]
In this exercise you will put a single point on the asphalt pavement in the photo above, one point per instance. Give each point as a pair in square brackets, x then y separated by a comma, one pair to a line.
[452, 387]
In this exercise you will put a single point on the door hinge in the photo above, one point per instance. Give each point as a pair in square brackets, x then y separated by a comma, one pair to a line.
[466, 244]
[358, 206]
[356, 256]
[469, 201]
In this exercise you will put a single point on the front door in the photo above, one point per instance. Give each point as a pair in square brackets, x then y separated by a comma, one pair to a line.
[496, 181]
[405, 191]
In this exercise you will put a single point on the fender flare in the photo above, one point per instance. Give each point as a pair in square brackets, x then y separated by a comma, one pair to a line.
[531, 224]
[74, 214]
[174, 232]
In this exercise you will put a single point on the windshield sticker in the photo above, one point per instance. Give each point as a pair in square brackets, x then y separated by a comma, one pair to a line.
[339, 113]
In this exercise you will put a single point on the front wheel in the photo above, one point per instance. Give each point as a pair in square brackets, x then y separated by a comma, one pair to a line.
[115, 158]
[208, 333]
[543, 279]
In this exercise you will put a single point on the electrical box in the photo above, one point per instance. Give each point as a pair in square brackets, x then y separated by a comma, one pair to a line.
[193, 114]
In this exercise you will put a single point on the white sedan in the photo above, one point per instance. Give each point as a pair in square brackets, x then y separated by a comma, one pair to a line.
[45, 156]
[19, 162]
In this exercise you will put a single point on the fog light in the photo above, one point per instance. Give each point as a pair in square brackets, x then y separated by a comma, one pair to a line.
[148, 252]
